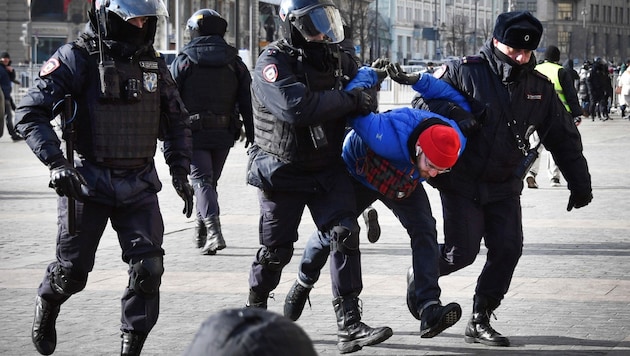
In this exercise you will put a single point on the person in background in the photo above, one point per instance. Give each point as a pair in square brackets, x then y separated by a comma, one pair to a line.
[563, 82]
[481, 194]
[214, 110]
[123, 99]
[568, 66]
[624, 92]
[300, 114]
[600, 90]
[583, 94]
[7, 78]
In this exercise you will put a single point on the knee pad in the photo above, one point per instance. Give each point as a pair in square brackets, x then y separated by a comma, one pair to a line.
[344, 240]
[274, 258]
[65, 282]
[145, 276]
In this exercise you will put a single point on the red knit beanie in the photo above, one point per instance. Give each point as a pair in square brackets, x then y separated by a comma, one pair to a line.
[441, 145]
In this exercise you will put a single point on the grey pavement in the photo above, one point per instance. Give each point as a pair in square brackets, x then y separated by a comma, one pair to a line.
[570, 294]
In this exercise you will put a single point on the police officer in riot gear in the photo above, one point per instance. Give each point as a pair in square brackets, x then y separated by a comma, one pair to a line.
[300, 113]
[124, 99]
[215, 86]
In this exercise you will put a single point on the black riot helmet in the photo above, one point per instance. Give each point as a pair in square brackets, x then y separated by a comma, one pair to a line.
[206, 22]
[109, 19]
[305, 20]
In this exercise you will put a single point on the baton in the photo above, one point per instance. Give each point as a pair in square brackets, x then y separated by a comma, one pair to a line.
[68, 135]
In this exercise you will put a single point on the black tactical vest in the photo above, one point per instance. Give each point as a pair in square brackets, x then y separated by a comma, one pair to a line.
[302, 146]
[125, 129]
[209, 94]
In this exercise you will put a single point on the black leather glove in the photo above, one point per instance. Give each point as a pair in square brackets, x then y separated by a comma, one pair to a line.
[466, 121]
[364, 102]
[185, 191]
[67, 181]
[578, 200]
[381, 74]
[400, 76]
[380, 63]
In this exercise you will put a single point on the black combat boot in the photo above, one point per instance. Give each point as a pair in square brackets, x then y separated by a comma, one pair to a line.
[215, 241]
[257, 300]
[44, 334]
[295, 300]
[352, 334]
[201, 232]
[131, 344]
[436, 318]
[479, 329]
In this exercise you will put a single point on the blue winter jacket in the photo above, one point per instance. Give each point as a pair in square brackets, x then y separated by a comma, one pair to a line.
[388, 133]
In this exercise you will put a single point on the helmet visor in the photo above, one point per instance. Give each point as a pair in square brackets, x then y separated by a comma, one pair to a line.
[322, 24]
[128, 9]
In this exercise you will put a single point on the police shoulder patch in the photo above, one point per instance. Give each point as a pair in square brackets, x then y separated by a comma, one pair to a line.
[49, 66]
[270, 73]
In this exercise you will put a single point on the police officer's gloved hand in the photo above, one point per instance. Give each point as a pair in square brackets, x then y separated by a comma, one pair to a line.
[249, 139]
[66, 180]
[184, 190]
[400, 76]
[579, 199]
[466, 121]
[364, 102]
[380, 63]
[380, 67]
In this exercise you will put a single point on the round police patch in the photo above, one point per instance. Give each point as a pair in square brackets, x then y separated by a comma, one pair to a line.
[270, 73]
[49, 66]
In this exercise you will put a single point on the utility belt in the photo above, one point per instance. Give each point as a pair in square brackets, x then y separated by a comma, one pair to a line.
[124, 163]
[209, 121]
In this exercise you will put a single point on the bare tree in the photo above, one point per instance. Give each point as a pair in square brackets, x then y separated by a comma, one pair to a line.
[360, 19]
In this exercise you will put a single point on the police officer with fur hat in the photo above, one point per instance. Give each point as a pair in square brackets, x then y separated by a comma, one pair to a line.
[481, 195]
[122, 100]
[215, 86]
[300, 113]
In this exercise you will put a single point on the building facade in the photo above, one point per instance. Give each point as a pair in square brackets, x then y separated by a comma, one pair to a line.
[408, 30]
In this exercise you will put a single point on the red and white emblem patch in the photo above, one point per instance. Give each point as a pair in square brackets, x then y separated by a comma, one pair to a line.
[270, 73]
[49, 66]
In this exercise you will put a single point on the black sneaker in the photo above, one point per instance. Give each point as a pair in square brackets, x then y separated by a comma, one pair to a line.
[436, 318]
[370, 215]
[295, 300]
[43, 333]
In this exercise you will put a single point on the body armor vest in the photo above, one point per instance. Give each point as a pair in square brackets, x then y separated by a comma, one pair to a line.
[125, 129]
[309, 148]
[209, 94]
